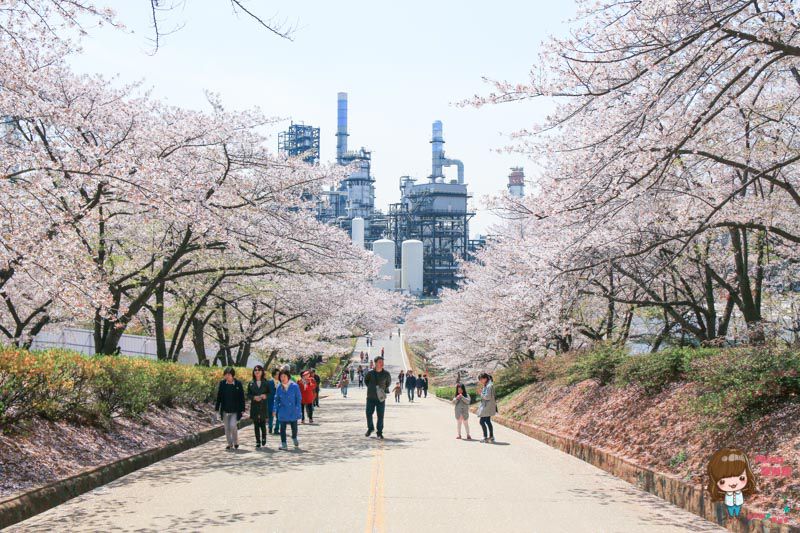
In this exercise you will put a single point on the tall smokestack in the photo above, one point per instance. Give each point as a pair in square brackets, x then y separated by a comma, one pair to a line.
[341, 129]
[437, 151]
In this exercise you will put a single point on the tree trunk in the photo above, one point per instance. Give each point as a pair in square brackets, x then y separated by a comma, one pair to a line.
[199, 342]
[158, 319]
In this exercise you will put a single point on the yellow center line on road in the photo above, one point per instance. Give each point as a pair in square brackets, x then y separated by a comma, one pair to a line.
[375, 511]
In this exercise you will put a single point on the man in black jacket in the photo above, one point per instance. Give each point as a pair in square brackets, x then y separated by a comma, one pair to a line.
[230, 405]
[378, 382]
[411, 384]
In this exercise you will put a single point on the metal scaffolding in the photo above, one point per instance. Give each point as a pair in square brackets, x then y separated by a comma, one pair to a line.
[298, 140]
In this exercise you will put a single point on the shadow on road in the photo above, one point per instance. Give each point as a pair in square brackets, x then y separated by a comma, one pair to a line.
[663, 511]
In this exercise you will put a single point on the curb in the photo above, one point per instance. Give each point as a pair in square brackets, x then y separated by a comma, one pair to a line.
[23, 506]
[679, 493]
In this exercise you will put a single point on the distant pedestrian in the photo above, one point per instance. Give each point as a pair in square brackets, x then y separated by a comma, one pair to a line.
[397, 389]
[425, 385]
[307, 391]
[230, 406]
[371, 365]
[276, 428]
[411, 384]
[402, 378]
[317, 381]
[288, 406]
[390, 335]
[257, 391]
[461, 402]
[381, 351]
[488, 407]
[352, 373]
[378, 382]
[398, 332]
[343, 384]
[419, 386]
[360, 377]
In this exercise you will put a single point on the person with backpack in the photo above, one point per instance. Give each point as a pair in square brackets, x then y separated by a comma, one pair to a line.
[488, 407]
[411, 385]
[461, 403]
[378, 381]
[288, 406]
[257, 391]
[230, 406]
[307, 391]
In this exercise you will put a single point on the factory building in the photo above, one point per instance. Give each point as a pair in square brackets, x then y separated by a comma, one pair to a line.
[423, 236]
[435, 213]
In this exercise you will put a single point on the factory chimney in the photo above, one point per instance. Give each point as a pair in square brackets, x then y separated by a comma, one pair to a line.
[438, 159]
[516, 182]
[341, 130]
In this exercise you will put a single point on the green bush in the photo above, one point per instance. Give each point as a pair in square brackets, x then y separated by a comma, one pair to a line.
[513, 378]
[448, 393]
[741, 383]
[653, 371]
[600, 364]
[60, 384]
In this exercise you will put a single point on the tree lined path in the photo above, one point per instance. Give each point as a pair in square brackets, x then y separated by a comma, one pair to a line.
[419, 479]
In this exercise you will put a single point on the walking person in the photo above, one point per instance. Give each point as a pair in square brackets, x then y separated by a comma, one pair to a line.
[488, 407]
[461, 403]
[402, 378]
[230, 406]
[378, 382]
[425, 386]
[419, 386]
[382, 351]
[276, 428]
[288, 406]
[397, 389]
[317, 381]
[352, 373]
[343, 383]
[360, 377]
[372, 364]
[257, 391]
[411, 384]
[308, 394]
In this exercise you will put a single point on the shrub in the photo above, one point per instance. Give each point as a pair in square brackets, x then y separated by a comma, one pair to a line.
[448, 393]
[20, 384]
[125, 386]
[513, 378]
[69, 379]
[600, 364]
[740, 383]
[653, 371]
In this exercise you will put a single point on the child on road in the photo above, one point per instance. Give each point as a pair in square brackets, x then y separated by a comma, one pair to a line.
[461, 402]
[397, 389]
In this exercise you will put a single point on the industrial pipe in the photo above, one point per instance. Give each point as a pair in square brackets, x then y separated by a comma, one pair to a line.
[341, 130]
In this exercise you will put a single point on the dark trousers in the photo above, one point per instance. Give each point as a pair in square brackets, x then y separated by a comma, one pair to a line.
[410, 395]
[425, 392]
[486, 424]
[283, 430]
[372, 406]
[308, 408]
[260, 425]
[316, 400]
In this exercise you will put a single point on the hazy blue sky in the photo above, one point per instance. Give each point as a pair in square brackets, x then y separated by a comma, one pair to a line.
[403, 64]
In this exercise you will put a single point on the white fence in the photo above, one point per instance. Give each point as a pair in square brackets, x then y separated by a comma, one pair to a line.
[82, 340]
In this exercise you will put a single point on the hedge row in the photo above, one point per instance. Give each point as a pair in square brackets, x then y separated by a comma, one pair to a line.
[60, 384]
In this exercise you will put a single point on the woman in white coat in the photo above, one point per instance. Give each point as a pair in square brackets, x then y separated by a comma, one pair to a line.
[488, 407]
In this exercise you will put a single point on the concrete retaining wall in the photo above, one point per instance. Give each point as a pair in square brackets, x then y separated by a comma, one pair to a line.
[23, 506]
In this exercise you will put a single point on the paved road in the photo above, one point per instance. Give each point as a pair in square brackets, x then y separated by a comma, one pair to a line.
[419, 479]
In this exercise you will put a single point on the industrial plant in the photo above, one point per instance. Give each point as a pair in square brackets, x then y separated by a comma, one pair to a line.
[424, 235]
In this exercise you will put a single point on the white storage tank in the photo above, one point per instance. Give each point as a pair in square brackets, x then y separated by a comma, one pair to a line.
[411, 259]
[384, 248]
[357, 232]
[397, 275]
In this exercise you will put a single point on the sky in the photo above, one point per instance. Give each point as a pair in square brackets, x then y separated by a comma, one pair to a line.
[403, 65]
